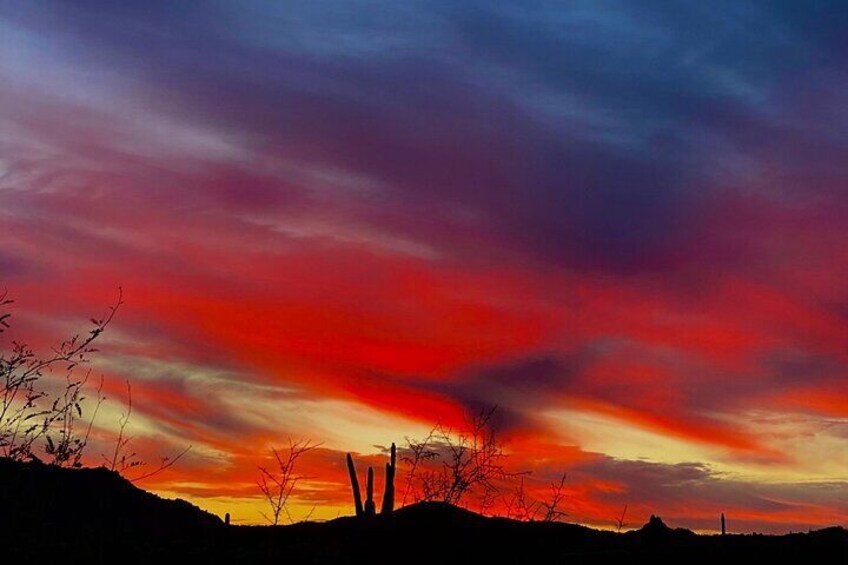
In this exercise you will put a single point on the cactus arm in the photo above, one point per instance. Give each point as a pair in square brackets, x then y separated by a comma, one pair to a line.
[354, 485]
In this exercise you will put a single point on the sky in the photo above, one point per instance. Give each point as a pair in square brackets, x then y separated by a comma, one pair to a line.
[624, 224]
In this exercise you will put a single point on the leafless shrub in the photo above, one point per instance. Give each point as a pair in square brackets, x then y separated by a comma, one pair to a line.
[278, 483]
[458, 465]
[467, 464]
[520, 506]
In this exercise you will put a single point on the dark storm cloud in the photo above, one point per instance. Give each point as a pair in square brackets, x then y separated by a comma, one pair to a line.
[587, 135]
[514, 387]
[527, 381]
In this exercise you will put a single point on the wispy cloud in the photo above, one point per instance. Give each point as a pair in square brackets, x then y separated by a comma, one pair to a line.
[623, 225]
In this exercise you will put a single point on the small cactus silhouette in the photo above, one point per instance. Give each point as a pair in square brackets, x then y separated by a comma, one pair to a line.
[723, 525]
[370, 507]
[227, 519]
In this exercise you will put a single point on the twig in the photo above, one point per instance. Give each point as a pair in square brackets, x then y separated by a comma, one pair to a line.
[166, 462]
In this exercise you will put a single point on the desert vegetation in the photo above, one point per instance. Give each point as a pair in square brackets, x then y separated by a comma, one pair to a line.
[278, 481]
[454, 480]
[49, 403]
[464, 466]
[36, 421]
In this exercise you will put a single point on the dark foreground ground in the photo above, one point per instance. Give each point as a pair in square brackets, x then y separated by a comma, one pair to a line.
[50, 515]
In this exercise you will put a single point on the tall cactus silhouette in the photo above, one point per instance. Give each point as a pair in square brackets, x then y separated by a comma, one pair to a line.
[370, 507]
[354, 485]
[723, 525]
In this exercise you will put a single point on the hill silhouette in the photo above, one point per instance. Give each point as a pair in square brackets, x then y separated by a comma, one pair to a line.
[48, 514]
[94, 512]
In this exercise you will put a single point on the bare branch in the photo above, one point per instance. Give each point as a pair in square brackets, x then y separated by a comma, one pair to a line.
[621, 523]
[121, 460]
[165, 463]
[553, 510]
[278, 483]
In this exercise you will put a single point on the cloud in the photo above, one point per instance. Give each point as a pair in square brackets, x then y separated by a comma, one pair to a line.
[678, 489]
[11, 265]
[626, 196]
[398, 212]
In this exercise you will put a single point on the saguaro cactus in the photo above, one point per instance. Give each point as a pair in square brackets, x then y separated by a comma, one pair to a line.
[370, 507]
[354, 485]
[389, 492]
[723, 526]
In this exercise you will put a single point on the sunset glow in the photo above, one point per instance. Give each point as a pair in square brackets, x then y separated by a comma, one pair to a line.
[345, 222]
